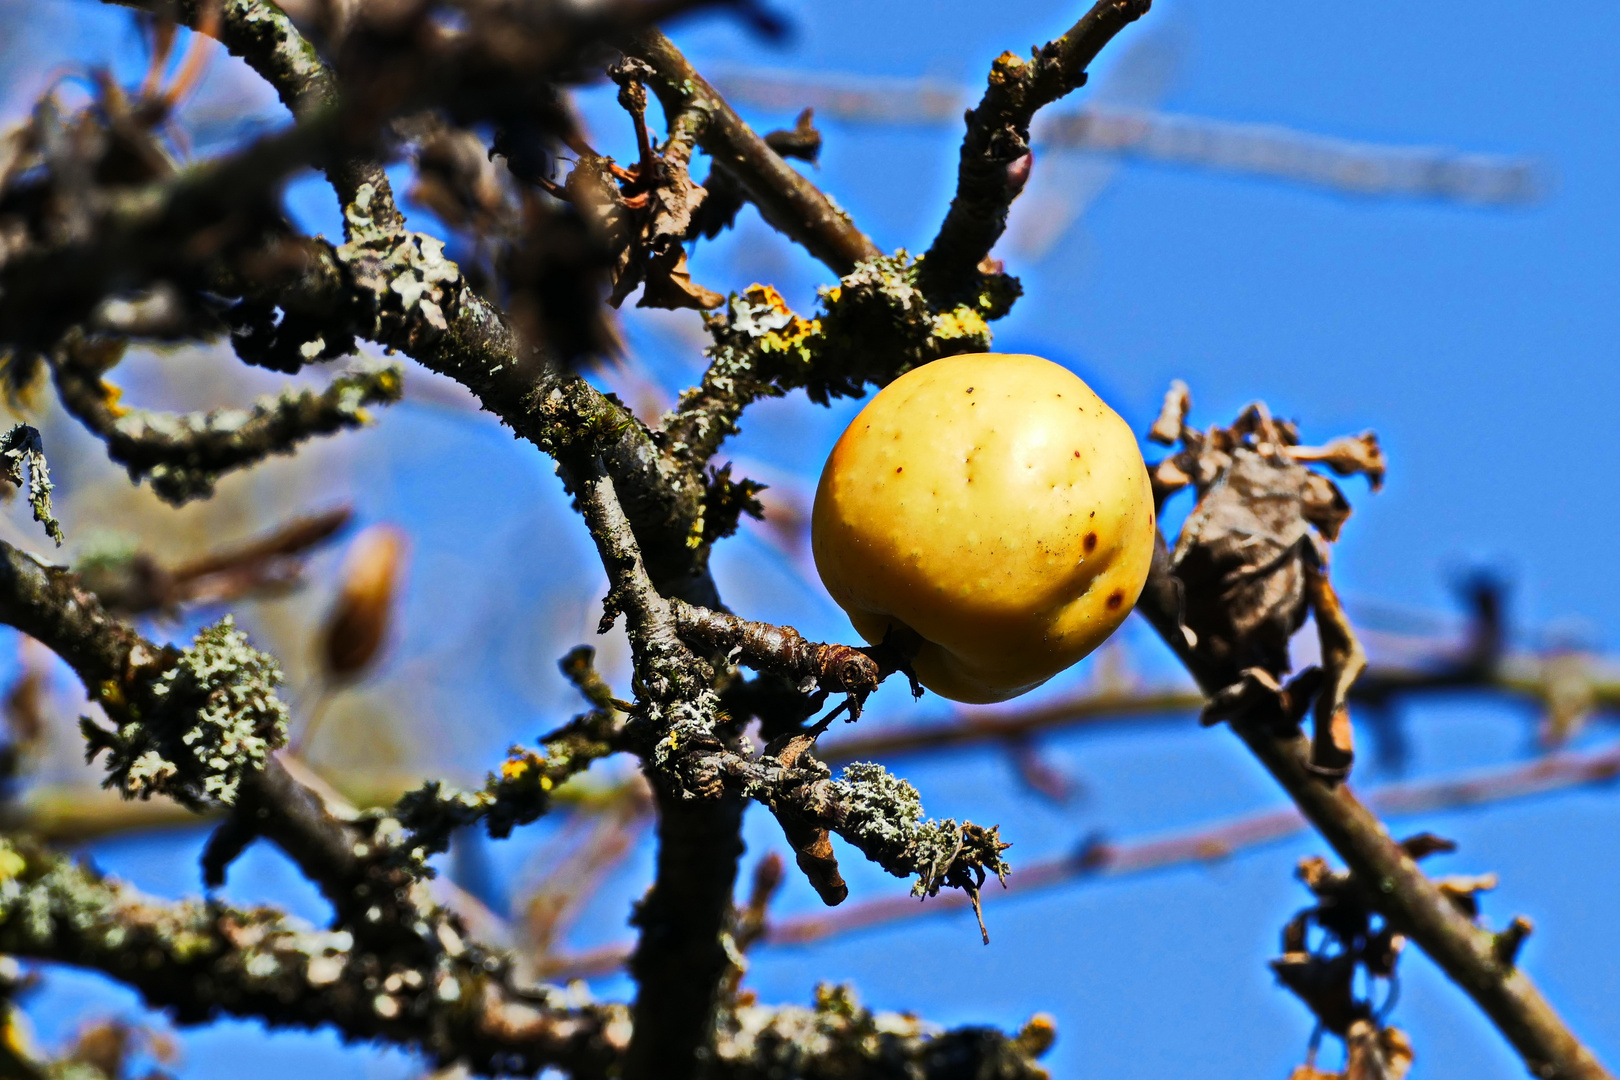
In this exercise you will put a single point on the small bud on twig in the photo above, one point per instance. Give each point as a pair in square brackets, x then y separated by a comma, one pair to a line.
[360, 617]
[1506, 945]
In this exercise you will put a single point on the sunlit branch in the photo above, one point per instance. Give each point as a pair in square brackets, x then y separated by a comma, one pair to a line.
[785, 198]
[201, 958]
[995, 158]
[1099, 858]
[1412, 902]
[182, 455]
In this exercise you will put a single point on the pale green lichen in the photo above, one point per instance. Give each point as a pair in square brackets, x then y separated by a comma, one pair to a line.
[403, 270]
[685, 724]
[838, 1037]
[22, 460]
[193, 733]
[883, 816]
[183, 455]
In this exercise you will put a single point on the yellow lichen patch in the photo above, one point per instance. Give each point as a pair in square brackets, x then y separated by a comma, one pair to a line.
[110, 397]
[794, 333]
[961, 322]
[520, 765]
[791, 336]
[767, 296]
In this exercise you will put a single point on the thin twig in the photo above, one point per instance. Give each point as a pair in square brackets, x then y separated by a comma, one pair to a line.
[784, 197]
[1405, 895]
[1204, 844]
[995, 160]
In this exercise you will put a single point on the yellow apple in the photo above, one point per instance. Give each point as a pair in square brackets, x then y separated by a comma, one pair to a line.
[989, 514]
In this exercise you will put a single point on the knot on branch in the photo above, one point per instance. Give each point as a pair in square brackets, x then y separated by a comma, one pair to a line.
[192, 727]
[847, 668]
[782, 650]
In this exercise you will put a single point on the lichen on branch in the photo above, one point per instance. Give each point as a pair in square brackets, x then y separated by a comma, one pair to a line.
[883, 816]
[182, 455]
[22, 460]
[204, 959]
[839, 1038]
[192, 730]
[873, 326]
[520, 791]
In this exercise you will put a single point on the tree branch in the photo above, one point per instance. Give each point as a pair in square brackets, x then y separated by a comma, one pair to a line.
[680, 961]
[201, 959]
[995, 158]
[689, 750]
[265, 38]
[1409, 899]
[782, 651]
[136, 582]
[1099, 858]
[873, 327]
[878, 813]
[785, 198]
[184, 454]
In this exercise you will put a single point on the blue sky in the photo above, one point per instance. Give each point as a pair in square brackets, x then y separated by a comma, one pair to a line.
[1479, 344]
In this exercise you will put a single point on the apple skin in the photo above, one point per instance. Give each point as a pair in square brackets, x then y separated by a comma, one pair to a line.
[992, 516]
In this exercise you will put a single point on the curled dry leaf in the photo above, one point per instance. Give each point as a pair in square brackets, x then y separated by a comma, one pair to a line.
[1251, 561]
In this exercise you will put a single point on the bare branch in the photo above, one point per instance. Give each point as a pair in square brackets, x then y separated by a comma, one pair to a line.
[516, 794]
[135, 582]
[184, 455]
[1236, 642]
[1099, 858]
[785, 198]
[995, 158]
[782, 651]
